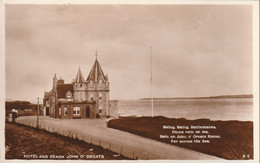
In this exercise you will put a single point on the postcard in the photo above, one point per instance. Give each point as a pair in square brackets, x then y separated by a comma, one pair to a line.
[149, 81]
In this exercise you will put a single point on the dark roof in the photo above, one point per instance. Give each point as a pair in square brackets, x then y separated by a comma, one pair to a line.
[96, 73]
[79, 78]
[62, 89]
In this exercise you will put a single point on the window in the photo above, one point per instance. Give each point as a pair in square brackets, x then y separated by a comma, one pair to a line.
[100, 81]
[80, 96]
[100, 109]
[65, 110]
[59, 110]
[80, 85]
[68, 94]
[100, 96]
[91, 96]
[76, 111]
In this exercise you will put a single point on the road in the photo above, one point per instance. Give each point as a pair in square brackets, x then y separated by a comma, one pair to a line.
[97, 129]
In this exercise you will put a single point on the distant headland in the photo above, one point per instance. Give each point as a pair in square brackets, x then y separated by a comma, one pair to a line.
[220, 96]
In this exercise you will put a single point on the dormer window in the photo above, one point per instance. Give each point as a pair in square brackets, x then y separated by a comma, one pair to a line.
[80, 85]
[68, 94]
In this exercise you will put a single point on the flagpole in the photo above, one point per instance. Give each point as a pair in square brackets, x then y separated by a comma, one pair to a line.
[151, 79]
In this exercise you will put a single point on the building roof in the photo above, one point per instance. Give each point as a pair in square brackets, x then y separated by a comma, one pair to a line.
[62, 89]
[79, 78]
[96, 73]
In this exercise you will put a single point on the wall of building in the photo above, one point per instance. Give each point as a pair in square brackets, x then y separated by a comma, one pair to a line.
[52, 106]
[79, 93]
[113, 108]
[102, 98]
[95, 91]
[82, 111]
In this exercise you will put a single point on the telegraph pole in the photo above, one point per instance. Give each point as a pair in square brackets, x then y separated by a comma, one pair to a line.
[151, 79]
[37, 124]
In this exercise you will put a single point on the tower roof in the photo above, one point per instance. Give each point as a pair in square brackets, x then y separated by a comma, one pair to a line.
[79, 78]
[96, 73]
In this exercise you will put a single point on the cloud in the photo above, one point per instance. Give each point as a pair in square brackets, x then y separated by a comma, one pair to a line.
[198, 50]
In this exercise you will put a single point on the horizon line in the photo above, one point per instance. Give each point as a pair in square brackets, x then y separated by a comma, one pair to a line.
[144, 98]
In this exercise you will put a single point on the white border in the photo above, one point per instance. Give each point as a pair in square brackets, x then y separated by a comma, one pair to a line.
[255, 5]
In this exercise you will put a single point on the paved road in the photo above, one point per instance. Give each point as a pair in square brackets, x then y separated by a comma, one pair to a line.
[96, 128]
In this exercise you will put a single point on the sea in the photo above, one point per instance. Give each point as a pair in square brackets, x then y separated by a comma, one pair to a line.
[209, 108]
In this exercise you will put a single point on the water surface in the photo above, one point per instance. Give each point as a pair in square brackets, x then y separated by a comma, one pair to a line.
[214, 108]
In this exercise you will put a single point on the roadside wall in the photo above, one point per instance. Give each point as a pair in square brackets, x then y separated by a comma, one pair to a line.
[113, 108]
[127, 151]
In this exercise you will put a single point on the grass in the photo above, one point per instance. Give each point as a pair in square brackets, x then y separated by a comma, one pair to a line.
[22, 142]
[236, 140]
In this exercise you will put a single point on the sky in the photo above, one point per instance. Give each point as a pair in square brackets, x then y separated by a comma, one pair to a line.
[197, 50]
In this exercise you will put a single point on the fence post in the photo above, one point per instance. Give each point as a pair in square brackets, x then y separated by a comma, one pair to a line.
[121, 150]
